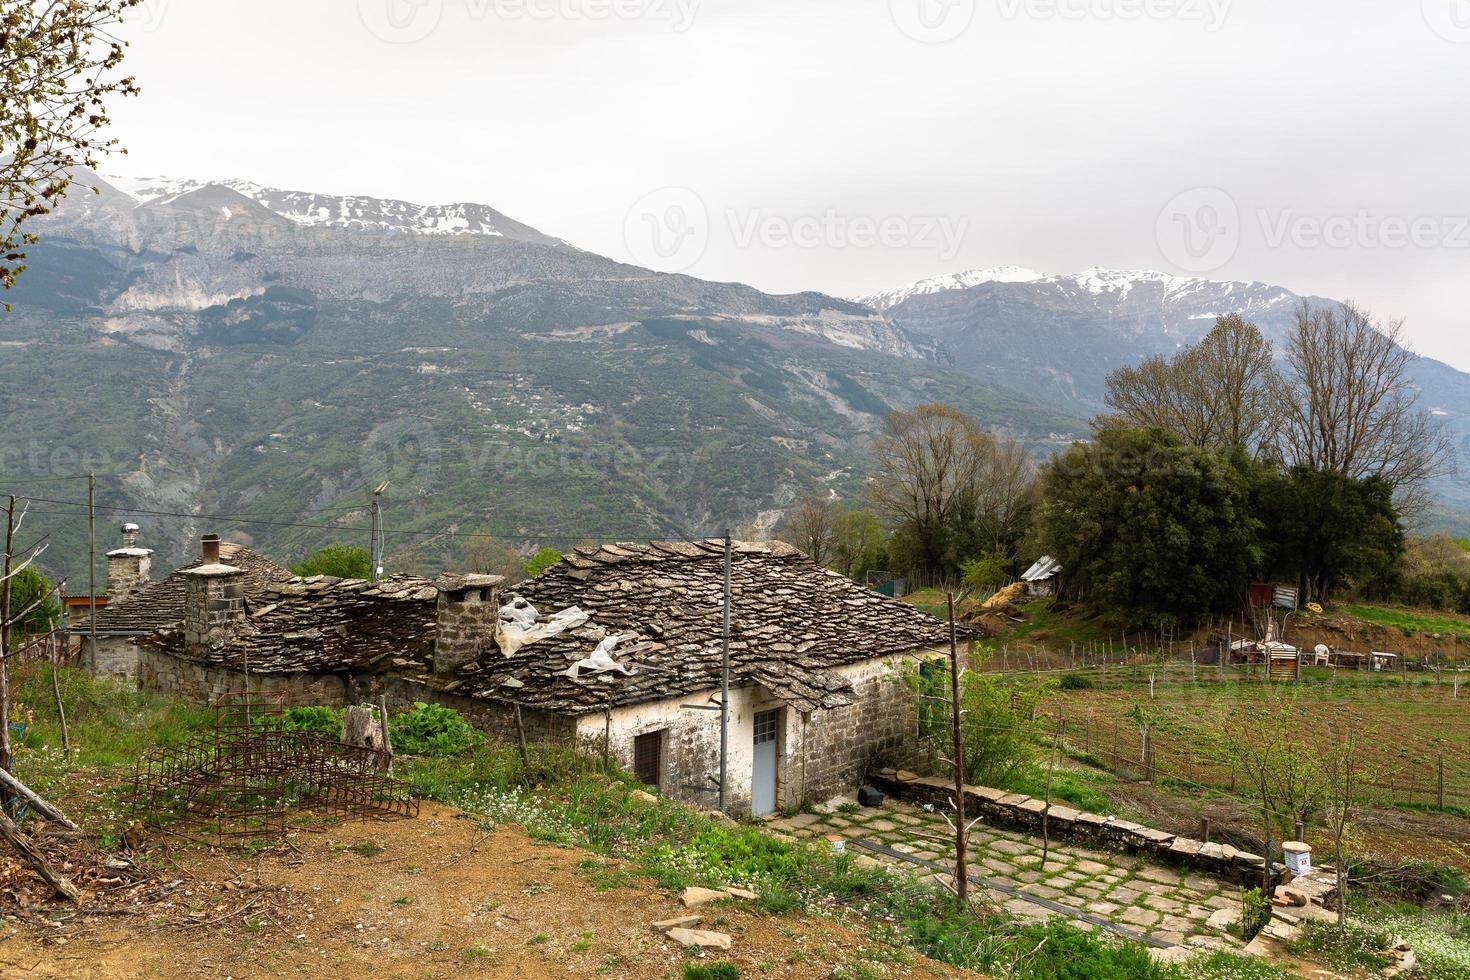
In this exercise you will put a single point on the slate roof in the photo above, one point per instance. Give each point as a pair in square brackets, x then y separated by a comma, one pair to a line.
[161, 604]
[323, 624]
[793, 621]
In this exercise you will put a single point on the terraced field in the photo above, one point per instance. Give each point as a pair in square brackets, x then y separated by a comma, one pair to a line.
[1415, 738]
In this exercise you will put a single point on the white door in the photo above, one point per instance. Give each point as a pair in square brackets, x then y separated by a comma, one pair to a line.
[763, 772]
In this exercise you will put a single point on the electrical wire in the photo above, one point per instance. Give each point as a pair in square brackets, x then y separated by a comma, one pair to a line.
[271, 521]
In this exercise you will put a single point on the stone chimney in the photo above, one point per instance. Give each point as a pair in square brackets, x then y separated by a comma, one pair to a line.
[214, 600]
[467, 614]
[128, 567]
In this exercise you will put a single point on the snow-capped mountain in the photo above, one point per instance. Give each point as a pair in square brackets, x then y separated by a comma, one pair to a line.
[1121, 292]
[959, 280]
[343, 210]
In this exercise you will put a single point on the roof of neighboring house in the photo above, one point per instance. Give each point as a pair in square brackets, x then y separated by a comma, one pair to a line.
[161, 604]
[792, 623]
[325, 624]
[1046, 567]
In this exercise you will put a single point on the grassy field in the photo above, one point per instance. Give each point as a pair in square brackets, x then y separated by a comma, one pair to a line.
[1412, 620]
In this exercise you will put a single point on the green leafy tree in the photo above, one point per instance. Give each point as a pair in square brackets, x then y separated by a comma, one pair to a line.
[57, 72]
[1329, 529]
[1000, 737]
[541, 561]
[340, 560]
[986, 573]
[30, 589]
[1148, 529]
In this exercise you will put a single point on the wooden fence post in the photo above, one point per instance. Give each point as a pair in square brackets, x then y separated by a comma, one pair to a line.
[1441, 780]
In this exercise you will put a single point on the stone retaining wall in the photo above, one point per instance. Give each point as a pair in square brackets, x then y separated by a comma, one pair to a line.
[1022, 812]
[204, 683]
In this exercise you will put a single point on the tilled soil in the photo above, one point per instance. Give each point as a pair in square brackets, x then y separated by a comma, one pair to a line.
[428, 897]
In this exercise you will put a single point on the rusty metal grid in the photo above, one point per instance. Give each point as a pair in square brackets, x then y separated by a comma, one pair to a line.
[242, 779]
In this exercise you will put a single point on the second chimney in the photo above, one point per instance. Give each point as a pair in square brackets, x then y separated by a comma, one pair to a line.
[128, 567]
[214, 600]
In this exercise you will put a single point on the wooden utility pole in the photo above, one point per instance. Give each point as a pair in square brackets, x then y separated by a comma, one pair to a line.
[373, 541]
[5, 759]
[961, 860]
[725, 681]
[91, 566]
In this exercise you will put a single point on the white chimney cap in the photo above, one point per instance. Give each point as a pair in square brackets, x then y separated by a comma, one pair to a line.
[130, 528]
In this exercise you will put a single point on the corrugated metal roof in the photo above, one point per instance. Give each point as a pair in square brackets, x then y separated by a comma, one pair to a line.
[1046, 567]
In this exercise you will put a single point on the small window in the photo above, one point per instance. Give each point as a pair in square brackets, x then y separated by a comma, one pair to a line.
[648, 763]
[765, 726]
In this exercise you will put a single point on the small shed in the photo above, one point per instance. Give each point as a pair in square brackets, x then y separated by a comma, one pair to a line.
[1041, 578]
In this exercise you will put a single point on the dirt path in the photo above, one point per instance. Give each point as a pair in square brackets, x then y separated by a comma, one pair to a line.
[440, 899]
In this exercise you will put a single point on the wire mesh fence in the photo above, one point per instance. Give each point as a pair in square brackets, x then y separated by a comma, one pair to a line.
[1126, 751]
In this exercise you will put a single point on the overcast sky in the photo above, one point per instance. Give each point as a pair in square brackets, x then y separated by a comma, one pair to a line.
[853, 145]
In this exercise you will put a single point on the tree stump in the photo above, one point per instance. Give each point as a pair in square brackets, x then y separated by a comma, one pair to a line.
[362, 729]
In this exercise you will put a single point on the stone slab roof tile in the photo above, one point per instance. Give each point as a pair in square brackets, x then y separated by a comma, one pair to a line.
[792, 623]
[161, 604]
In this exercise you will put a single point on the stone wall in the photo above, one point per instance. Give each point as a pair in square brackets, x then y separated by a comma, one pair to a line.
[1021, 812]
[115, 656]
[833, 751]
[819, 754]
[203, 684]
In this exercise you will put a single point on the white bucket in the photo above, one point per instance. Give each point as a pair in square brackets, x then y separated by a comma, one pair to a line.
[1298, 857]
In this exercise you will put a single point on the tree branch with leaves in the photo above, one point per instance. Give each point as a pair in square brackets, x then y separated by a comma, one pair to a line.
[58, 72]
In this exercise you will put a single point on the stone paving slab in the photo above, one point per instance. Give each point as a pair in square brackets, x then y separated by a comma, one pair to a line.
[1127, 889]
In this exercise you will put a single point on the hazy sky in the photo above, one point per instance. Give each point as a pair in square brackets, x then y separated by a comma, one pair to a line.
[852, 145]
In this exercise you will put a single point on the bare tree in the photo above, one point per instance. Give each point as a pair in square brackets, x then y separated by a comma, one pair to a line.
[1238, 381]
[1006, 495]
[943, 476]
[929, 462]
[1222, 392]
[56, 62]
[1343, 774]
[491, 556]
[812, 527]
[1352, 408]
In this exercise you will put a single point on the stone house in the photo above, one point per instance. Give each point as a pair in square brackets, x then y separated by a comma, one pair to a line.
[816, 696]
[136, 606]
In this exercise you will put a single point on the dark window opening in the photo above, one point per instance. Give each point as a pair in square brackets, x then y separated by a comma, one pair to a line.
[648, 758]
